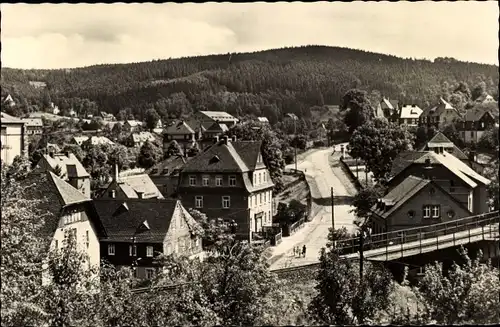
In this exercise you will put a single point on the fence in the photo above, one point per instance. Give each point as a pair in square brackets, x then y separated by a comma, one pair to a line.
[289, 230]
[351, 175]
[418, 234]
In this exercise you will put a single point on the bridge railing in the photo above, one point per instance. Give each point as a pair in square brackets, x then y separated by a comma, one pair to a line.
[382, 240]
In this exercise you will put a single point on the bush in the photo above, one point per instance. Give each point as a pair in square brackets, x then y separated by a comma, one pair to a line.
[319, 143]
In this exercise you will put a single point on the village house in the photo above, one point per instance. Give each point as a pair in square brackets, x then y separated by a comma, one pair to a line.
[13, 139]
[138, 186]
[165, 174]
[65, 212]
[230, 181]
[415, 202]
[106, 116]
[135, 231]
[440, 114]
[9, 101]
[94, 141]
[453, 175]
[387, 108]
[132, 126]
[220, 117]
[138, 139]
[485, 98]
[476, 122]
[68, 168]
[439, 143]
[33, 126]
[409, 115]
[263, 120]
[182, 133]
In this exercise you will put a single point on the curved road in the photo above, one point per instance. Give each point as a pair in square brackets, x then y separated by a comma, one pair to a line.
[321, 177]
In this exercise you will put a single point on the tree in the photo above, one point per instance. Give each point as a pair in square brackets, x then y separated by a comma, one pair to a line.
[149, 155]
[300, 142]
[343, 298]
[117, 129]
[75, 149]
[478, 90]
[174, 149]
[364, 200]
[489, 140]
[152, 119]
[378, 143]
[452, 133]
[466, 294]
[359, 109]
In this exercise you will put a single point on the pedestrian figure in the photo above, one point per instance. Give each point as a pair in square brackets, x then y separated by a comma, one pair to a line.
[304, 251]
[294, 251]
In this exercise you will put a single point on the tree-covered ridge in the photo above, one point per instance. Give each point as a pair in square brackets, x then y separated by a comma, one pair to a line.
[265, 83]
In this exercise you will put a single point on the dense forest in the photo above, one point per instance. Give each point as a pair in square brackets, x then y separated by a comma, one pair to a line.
[266, 83]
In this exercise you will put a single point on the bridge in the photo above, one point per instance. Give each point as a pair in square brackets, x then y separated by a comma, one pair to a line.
[395, 245]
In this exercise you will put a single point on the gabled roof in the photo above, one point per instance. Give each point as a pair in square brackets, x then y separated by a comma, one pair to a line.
[143, 137]
[263, 119]
[142, 183]
[63, 161]
[390, 104]
[97, 140]
[217, 127]
[410, 111]
[485, 97]
[404, 160]
[440, 140]
[179, 128]
[67, 193]
[249, 151]
[80, 139]
[8, 119]
[218, 158]
[219, 115]
[476, 114]
[133, 123]
[402, 193]
[438, 109]
[33, 122]
[122, 218]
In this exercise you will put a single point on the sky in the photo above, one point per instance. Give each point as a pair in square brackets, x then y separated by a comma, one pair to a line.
[74, 35]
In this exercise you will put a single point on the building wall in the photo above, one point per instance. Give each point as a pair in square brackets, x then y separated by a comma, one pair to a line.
[13, 142]
[81, 184]
[166, 184]
[261, 202]
[480, 199]
[401, 220]
[179, 238]
[441, 176]
[82, 226]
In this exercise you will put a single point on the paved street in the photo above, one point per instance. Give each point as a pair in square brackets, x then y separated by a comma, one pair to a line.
[321, 177]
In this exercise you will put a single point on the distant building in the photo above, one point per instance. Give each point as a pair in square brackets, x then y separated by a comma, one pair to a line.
[78, 140]
[106, 116]
[263, 120]
[13, 141]
[166, 174]
[33, 126]
[216, 116]
[96, 140]
[415, 202]
[440, 114]
[485, 98]
[54, 109]
[387, 108]
[38, 84]
[476, 122]
[68, 168]
[181, 132]
[132, 125]
[131, 187]
[135, 231]
[440, 143]
[138, 139]
[409, 115]
[230, 181]
[9, 101]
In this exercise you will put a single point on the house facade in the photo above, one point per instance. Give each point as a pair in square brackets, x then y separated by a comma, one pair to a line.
[181, 132]
[230, 181]
[415, 202]
[440, 143]
[166, 174]
[132, 126]
[137, 231]
[69, 168]
[409, 115]
[138, 139]
[440, 114]
[220, 117]
[138, 186]
[387, 108]
[475, 123]
[13, 138]
[33, 126]
[453, 175]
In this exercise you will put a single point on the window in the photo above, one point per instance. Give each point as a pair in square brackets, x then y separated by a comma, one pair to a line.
[87, 238]
[218, 181]
[452, 186]
[56, 244]
[132, 250]
[205, 180]
[149, 251]
[482, 124]
[265, 217]
[192, 180]
[427, 212]
[232, 180]
[260, 198]
[265, 197]
[435, 211]
[411, 214]
[197, 242]
[260, 178]
[111, 249]
[150, 272]
[226, 202]
[198, 201]
[471, 134]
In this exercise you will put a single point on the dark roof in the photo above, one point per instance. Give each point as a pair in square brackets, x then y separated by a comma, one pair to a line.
[400, 195]
[403, 160]
[168, 166]
[67, 193]
[476, 114]
[121, 218]
[218, 158]
[180, 127]
[441, 140]
[438, 109]
[249, 151]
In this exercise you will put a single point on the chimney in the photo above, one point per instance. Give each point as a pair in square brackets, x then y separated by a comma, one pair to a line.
[51, 154]
[140, 194]
[226, 140]
[116, 173]
[112, 194]
[67, 153]
[472, 156]
[233, 138]
[216, 139]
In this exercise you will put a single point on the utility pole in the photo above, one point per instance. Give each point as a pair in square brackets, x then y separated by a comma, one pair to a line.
[295, 134]
[333, 209]
[361, 243]
[366, 176]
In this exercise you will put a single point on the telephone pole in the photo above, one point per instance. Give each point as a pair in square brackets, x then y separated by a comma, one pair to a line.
[333, 209]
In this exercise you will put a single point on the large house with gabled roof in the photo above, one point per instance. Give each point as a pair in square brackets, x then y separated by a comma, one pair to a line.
[230, 181]
[439, 114]
[13, 138]
[476, 122]
[134, 186]
[137, 231]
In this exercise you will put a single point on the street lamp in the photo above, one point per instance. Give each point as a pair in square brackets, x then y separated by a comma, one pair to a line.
[363, 232]
[294, 118]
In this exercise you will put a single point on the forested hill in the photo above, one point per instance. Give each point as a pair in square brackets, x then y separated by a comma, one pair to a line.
[266, 83]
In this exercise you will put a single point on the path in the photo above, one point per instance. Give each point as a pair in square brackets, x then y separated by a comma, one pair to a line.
[314, 234]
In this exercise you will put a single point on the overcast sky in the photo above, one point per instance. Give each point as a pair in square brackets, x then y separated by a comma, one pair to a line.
[67, 35]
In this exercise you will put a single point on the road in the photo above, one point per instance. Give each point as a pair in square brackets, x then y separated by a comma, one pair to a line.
[321, 177]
